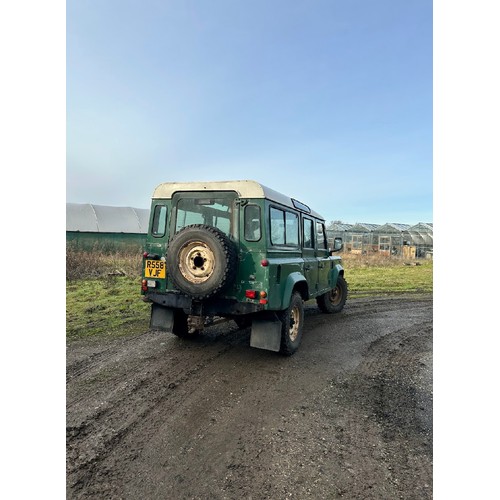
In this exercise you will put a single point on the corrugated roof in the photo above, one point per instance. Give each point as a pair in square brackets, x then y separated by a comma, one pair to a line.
[85, 217]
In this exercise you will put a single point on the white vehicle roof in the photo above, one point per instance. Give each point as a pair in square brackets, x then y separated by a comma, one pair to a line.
[244, 189]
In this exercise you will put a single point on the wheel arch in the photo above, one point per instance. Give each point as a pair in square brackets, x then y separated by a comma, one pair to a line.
[296, 282]
[336, 271]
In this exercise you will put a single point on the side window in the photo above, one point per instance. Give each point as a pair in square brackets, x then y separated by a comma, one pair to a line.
[308, 233]
[291, 229]
[159, 221]
[284, 227]
[320, 232]
[252, 223]
[277, 226]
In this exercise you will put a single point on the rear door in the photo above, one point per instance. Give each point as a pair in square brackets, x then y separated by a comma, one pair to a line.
[309, 253]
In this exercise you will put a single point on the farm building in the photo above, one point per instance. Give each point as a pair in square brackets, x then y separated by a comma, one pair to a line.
[105, 228]
[391, 239]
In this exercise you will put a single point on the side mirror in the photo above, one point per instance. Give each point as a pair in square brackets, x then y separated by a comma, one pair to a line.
[337, 245]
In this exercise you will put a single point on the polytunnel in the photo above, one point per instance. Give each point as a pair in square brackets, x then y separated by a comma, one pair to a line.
[105, 227]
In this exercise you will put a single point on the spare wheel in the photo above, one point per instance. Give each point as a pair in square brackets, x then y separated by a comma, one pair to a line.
[201, 261]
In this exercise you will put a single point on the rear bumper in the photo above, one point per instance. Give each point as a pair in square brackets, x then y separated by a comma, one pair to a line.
[210, 307]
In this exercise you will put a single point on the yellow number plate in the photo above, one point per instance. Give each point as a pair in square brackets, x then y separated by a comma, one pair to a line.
[155, 269]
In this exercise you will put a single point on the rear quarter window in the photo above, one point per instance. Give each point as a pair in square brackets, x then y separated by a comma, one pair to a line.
[159, 224]
[252, 223]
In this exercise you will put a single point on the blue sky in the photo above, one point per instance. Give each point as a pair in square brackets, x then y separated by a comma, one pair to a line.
[329, 101]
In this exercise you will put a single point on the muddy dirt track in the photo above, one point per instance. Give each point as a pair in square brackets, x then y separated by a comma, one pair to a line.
[348, 416]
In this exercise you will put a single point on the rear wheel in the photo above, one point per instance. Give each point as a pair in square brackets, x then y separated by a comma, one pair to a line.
[292, 322]
[334, 300]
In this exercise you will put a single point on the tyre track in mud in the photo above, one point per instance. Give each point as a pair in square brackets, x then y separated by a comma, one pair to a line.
[106, 421]
[163, 418]
[93, 360]
[387, 413]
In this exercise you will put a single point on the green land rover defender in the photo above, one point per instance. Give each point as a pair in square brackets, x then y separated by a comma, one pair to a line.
[238, 250]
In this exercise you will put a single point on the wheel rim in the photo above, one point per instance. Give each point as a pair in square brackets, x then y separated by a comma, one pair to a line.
[196, 262]
[336, 296]
[293, 332]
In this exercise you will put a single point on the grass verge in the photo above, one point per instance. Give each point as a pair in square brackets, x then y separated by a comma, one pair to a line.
[105, 306]
[103, 291]
[369, 281]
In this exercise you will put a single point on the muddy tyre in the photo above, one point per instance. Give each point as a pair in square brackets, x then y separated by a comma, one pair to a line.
[292, 322]
[201, 261]
[334, 300]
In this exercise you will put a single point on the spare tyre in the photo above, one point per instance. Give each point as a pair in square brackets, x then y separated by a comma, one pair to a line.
[201, 261]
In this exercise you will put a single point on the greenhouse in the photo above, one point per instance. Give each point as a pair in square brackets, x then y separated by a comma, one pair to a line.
[357, 238]
[390, 239]
[421, 236]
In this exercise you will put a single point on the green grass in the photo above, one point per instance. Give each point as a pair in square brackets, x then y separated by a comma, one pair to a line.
[105, 306]
[384, 280]
[101, 303]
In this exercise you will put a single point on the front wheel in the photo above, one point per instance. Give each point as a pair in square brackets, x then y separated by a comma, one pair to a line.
[292, 322]
[334, 300]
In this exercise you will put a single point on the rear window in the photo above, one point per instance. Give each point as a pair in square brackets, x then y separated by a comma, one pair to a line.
[215, 212]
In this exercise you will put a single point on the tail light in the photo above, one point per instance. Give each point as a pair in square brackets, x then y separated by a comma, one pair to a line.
[254, 294]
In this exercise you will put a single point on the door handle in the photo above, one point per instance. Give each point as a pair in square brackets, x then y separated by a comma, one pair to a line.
[307, 267]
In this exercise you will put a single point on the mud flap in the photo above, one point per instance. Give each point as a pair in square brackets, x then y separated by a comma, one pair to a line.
[162, 318]
[266, 333]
